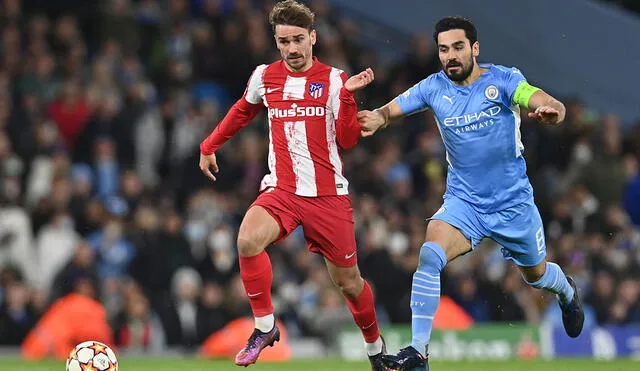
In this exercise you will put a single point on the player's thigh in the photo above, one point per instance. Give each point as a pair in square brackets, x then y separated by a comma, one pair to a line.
[455, 227]
[329, 229]
[520, 232]
[269, 219]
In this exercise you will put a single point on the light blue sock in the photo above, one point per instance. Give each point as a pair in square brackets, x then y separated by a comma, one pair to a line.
[425, 294]
[555, 281]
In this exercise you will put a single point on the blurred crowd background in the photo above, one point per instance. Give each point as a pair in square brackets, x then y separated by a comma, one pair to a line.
[102, 109]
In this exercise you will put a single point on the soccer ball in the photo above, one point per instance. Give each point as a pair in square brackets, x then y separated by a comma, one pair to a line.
[92, 356]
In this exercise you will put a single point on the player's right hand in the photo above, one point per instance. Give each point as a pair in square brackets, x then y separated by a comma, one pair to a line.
[207, 163]
[369, 121]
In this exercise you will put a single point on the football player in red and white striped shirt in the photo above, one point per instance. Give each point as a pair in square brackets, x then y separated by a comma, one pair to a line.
[312, 116]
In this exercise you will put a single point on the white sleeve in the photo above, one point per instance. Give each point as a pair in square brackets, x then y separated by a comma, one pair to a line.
[335, 84]
[255, 86]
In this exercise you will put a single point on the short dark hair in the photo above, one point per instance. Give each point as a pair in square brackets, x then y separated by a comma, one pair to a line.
[456, 23]
[291, 13]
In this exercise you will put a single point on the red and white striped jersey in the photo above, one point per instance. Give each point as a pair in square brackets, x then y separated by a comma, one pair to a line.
[311, 117]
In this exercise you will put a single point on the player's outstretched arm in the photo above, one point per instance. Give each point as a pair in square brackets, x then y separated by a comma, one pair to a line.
[240, 114]
[372, 121]
[416, 99]
[545, 108]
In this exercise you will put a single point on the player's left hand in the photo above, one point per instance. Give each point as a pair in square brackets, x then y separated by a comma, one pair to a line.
[545, 115]
[360, 80]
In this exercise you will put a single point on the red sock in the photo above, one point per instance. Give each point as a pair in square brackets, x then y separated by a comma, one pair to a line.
[257, 277]
[364, 313]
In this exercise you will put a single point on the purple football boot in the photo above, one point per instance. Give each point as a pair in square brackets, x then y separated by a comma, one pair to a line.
[257, 341]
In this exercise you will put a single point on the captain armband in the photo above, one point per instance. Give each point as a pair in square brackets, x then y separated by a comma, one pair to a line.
[523, 93]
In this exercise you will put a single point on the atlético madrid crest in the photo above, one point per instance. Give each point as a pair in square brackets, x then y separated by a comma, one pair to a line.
[316, 90]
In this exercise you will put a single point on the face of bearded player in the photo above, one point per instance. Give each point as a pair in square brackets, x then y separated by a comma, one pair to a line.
[295, 45]
[457, 55]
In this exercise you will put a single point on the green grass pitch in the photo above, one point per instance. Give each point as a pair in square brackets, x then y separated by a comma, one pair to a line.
[334, 365]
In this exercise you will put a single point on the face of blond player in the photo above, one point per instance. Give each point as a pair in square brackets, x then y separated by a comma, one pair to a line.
[457, 55]
[295, 45]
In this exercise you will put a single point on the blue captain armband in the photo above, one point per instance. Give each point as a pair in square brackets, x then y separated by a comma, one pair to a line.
[523, 93]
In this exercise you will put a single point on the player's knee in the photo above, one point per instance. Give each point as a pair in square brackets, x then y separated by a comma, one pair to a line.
[530, 278]
[437, 231]
[350, 290]
[532, 275]
[249, 245]
[431, 260]
[349, 284]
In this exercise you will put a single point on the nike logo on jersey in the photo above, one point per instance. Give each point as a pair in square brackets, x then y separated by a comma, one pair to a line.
[349, 256]
[448, 98]
[253, 295]
[271, 90]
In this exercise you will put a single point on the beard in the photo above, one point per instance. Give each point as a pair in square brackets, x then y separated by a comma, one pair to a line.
[461, 73]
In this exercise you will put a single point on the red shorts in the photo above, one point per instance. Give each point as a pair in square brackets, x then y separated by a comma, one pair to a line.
[327, 222]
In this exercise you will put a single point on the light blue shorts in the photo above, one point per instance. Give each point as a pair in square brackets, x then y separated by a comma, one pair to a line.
[517, 229]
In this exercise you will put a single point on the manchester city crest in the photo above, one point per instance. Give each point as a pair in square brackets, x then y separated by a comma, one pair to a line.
[491, 92]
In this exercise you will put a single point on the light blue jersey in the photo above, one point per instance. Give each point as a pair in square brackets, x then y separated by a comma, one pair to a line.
[480, 127]
[488, 192]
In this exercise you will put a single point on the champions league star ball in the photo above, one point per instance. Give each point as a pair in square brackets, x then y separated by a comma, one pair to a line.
[92, 356]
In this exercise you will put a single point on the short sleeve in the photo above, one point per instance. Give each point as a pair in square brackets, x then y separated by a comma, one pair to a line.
[513, 78]
[255, 86]
[416, 98]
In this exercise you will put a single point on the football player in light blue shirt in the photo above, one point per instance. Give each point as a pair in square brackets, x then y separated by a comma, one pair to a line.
[488, 195]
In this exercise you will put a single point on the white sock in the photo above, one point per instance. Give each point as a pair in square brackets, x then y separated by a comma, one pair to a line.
[266, 323]
[374, 348]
